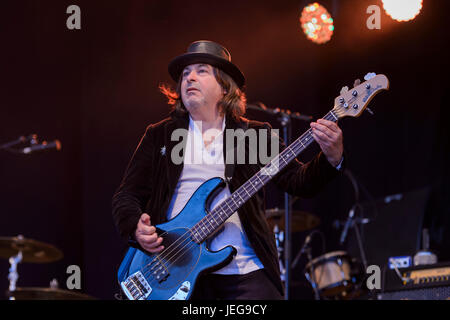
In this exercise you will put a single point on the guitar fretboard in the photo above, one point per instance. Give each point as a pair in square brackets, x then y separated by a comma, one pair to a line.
[217, 217]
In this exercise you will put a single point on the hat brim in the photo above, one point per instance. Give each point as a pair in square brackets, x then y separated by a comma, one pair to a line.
[177, 65]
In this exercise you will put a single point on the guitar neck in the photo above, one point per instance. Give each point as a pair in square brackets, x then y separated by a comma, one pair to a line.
[217, 217]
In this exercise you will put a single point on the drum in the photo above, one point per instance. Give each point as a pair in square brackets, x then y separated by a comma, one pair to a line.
[330, 273]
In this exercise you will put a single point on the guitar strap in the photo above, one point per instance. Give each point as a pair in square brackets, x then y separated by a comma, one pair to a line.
[229, 168]
[229, 171]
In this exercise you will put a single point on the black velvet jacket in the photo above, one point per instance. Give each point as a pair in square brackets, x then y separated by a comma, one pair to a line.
[151, 177]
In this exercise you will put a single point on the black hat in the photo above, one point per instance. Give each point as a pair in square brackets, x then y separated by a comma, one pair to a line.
[208, 52]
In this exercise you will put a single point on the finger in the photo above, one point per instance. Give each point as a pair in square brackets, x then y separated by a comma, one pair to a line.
[145, 218]
[154, 244]
[146, 230]
[321, 128]
[318, 140]
[329, 124]
[148, 240]
[321, 138]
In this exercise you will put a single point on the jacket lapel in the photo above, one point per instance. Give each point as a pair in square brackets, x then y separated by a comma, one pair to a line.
[182, 122]
[231, 123]
[174, 165]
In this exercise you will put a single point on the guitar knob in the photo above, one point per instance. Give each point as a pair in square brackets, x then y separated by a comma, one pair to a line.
[341, 100]
[346, 105]
[355, 93]
[367, 86]
[369, 76]
[344, 90]
[355, 106]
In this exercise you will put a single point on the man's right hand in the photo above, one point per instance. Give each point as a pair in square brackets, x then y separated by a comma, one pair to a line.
[146, 235]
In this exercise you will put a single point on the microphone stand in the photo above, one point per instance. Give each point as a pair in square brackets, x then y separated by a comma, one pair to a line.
[34, 145]
[354, 222]
[308, 249]
[313, 279]
[32, 138]
[284, 118]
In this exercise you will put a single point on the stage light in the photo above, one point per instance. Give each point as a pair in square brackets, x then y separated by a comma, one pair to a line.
[316, 23]
[402, 10]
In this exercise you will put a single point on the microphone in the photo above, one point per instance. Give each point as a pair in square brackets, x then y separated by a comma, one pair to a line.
[307, 240]
[21, 139]
[347, 225]
[43, 146]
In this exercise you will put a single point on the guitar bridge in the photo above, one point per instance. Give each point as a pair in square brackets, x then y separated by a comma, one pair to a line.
[136, 287]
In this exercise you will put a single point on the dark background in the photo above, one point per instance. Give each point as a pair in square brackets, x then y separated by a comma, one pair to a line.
[96, 89]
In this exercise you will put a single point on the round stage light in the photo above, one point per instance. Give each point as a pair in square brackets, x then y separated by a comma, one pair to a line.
[316, 23]
[402, 10]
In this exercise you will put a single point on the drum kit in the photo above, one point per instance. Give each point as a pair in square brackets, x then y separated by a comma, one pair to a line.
[334, 275]
[20, 249]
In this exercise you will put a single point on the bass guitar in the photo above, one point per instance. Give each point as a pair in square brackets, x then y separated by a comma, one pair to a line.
[172, 273]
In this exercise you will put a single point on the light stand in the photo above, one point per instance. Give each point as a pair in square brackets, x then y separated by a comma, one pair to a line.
[286, 125]
[284, 118]
[355, 221]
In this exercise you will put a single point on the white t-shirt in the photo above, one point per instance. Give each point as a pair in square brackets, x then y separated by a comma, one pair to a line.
[200, 165]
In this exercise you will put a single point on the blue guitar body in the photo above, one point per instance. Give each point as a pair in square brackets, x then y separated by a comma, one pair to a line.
[172, 273]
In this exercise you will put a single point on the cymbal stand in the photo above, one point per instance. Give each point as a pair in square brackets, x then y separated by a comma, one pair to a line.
[13, 275]
[313, 280]
[279, 238]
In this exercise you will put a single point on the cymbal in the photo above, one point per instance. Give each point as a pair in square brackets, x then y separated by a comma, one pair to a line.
[32, 250]
[33, 293]
[300, 220]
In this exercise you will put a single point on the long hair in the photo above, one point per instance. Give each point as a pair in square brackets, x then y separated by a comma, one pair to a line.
[233, 102]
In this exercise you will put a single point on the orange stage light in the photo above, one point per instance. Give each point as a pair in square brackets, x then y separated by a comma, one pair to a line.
[317, 23]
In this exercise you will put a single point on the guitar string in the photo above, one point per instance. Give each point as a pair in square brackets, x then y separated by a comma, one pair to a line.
[202, 221]
[184, 240]
[188, 238]
[157, 257]
[176, 257]
[201, 225]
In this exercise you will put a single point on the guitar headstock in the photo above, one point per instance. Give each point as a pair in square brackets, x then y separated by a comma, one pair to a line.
[351, 103]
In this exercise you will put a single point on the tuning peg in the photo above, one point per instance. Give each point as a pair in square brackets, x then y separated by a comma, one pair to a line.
[344, 90]
[369, 76]
[356, 83]
[369, 111]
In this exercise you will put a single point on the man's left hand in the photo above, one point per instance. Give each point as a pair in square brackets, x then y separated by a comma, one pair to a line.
[329, 137]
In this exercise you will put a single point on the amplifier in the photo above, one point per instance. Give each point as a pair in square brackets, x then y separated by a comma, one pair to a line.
[436, 293]
[429, 282]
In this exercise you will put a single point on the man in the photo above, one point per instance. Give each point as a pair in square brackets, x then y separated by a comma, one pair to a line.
[209, 98]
